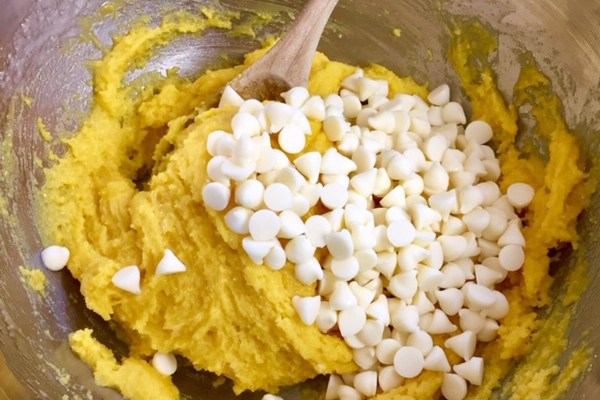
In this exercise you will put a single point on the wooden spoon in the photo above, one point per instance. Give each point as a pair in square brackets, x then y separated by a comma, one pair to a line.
[288, 62]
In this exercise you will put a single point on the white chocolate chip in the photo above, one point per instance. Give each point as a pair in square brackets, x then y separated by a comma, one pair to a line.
[405, 318]
[278, 197]
[389, 379]
[429, 278]
[477, 220]
[334, 195]
[490, 191]
[367, 259]
[348, 393]
[462, 344]
[291, 225]
[372, 333]
[169, 264]
[317, 227]
[512, 234]
[453, 112]
[251, 106]
[335, 218]
[383, 183]
[307, 308]
[128, 279]
[379, 310]
[511, 257]
[335, 127]
[439, 324]
[333, 385]
[497, 226]
[386, 350]
[436, 179]
[164, 363]
[364, 159]
[249, 194]
[257, 250]
[342, 297]
[435, 147]
[470, 197]
[300, 205]
[314, 108]
[352, 106]
[351, 321]
[340, 244]
[309, 164]
[271, 397]
[499, 309]
[436, 360]
[520, 195]
[424, 216]
[264, 225]
[479, 132]
[244, 123]
[488, 332]
[366, 383]
[296, 96]
[215, 171]
[334, 163]
[299, 249]
[453, 276]
[444, 202]
[245, 151]
[216, 195]
[471, 320]
[230, 98]
[350, 142]
[220, 143]
[383, 121]
[327, 317]
[422, 302]
[478, 297]
[364, 357]
[450, 300]
[364, 295]
[364, 182]
[434, 115]
[400, 167]
[409, 362]
[277, 115]
[471, 370]
[55, 257]
[275, 258]
[486, 276]
[420, 340]
[292, 139]
[503, 205]
[309, 270]
[440, 95]
[454, 387]
[345, 269]
[354, 343]
[453, 246]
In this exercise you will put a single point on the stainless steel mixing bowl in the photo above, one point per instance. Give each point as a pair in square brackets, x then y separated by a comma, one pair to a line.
[563, 36]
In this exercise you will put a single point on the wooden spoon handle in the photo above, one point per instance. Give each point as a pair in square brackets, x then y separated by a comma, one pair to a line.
[292, 56]
[289, 62]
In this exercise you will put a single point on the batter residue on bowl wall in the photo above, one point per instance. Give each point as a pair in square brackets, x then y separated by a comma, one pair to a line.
[131, 183]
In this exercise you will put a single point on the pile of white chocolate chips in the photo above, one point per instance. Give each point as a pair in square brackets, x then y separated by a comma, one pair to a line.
[416, 229]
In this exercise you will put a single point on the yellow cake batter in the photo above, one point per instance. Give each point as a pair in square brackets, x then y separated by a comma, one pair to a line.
[130, 187]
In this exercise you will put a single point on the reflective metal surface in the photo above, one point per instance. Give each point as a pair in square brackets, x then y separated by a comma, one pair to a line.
[564, 37]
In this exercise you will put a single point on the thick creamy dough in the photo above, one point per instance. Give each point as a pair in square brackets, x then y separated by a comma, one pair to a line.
[130, 186]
